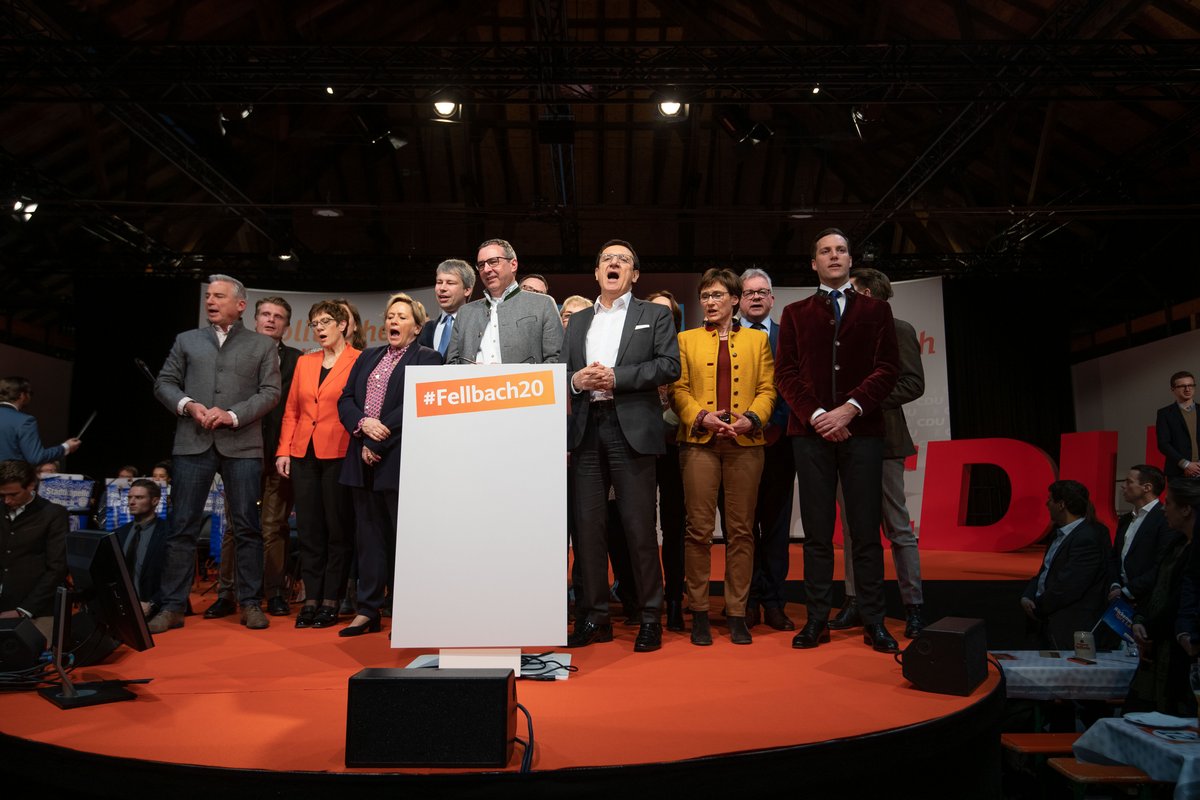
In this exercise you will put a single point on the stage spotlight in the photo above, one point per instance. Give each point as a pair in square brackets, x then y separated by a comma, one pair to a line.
[285, 256]
[669, 105]
[857, 117]
[737, 123]
[246, 111]
[23, 209]
[816, 89]
[670, 108]
[446, 108]
[329, 90]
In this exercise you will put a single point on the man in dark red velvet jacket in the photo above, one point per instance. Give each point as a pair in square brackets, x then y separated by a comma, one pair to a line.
[837, 362]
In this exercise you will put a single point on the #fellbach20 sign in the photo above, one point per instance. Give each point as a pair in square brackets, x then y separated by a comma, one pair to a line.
[491, 393]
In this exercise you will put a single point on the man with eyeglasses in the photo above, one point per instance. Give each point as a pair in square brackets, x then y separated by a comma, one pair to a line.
[506, 325]
[618, 351]
[773, 514]
[838, 362]
[272, 317]
[1176, 429]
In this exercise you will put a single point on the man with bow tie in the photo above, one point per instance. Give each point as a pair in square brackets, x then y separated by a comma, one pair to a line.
[836, 364]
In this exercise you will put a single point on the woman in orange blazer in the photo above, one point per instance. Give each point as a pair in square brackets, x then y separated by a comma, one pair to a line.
[724, 395]
[312, 443]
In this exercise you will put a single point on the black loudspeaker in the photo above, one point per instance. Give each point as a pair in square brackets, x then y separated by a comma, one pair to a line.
[21, 645]
[949, 657]
[431, 718]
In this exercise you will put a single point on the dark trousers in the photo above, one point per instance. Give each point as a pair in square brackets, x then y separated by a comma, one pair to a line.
[858, 463]
[274, 510]
[603, 459]
[321, 522]
[375, 513]
[773, 525]
[194, 475]
[672, 520]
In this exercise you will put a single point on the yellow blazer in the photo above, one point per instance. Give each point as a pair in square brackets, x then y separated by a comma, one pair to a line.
[752, 385]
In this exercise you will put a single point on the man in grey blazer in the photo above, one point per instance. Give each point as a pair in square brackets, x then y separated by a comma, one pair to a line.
[619, 351]
[506, 325]
[219, 380]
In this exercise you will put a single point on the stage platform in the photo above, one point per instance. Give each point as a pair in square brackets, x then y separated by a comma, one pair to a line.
[239, 713]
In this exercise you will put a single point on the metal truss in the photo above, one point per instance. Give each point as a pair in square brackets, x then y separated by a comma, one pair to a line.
[40, 68]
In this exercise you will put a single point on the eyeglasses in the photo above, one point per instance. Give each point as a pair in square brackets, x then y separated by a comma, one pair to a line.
[718, 296]
[622, 258]
[756, 293]
[322, 323]
[1184, 386]
[492, 262]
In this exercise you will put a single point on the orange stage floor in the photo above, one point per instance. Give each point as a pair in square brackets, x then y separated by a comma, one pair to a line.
[224, 696]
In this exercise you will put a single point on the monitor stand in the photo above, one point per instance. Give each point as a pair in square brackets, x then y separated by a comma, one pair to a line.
[70, 694]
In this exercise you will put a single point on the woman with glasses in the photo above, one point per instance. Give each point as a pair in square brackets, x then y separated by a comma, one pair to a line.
[372, 411]
[312, 443]
[724, 395]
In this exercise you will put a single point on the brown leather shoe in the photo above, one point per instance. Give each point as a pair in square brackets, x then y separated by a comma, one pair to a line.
[163, 621]
[254, 618]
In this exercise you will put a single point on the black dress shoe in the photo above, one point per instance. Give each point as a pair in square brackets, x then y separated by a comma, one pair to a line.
[326, 617]
[913, 623]
[701, 631]
[753, 616]
[778, 620]
[649, 638]
[370, 626]
[674, 615]
[278, 607]
[223, 607]
[812, 634]
[306, 617]
[848, 617]
[739, 632]
[880, 640]
[590, 633]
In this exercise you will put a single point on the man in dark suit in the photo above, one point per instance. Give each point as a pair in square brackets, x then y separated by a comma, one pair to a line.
[272, 317]
[1067, 594]
[19, 437]
[837, 364]
[453, 284]
[506, 325]
[619, 352]
[1175, 428]
[773, 513]
[219, 380]
[144, 542]
[1143, 537]
[33, 547]
[897, 446]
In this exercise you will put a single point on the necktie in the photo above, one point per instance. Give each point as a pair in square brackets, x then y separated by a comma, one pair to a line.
[135, 539]
[758, 326]
[837, 309]
[444, 342]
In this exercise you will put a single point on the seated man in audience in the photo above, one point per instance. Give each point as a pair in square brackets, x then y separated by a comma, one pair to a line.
[33, 547]
[1143, 536]
[49, 468]
[1067, 594]
[144, 542]
[128, 472]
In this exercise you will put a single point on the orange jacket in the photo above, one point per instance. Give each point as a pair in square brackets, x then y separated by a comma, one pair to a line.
[311, 413]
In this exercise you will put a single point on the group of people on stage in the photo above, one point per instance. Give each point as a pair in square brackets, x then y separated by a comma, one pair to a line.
[721, 417]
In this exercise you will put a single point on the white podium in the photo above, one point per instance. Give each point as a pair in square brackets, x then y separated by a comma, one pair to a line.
[481, 546]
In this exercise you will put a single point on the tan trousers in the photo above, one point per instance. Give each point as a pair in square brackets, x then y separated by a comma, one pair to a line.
[705, 468]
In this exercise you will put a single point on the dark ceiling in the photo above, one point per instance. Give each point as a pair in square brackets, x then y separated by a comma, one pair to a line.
[968, 138]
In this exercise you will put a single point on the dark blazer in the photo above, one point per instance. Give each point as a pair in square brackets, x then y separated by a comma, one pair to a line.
[33, 557]
[391, 414]
[19, 439]
[241, 376]
[1075, 592]
[1150, 546]
[1173, 440]
[425, 337]
[272, 421]
[647, 358]
[864, 354]
[897, 441]
[149, 588]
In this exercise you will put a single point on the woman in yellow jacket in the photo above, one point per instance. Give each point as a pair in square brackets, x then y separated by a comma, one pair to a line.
[724, 395]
